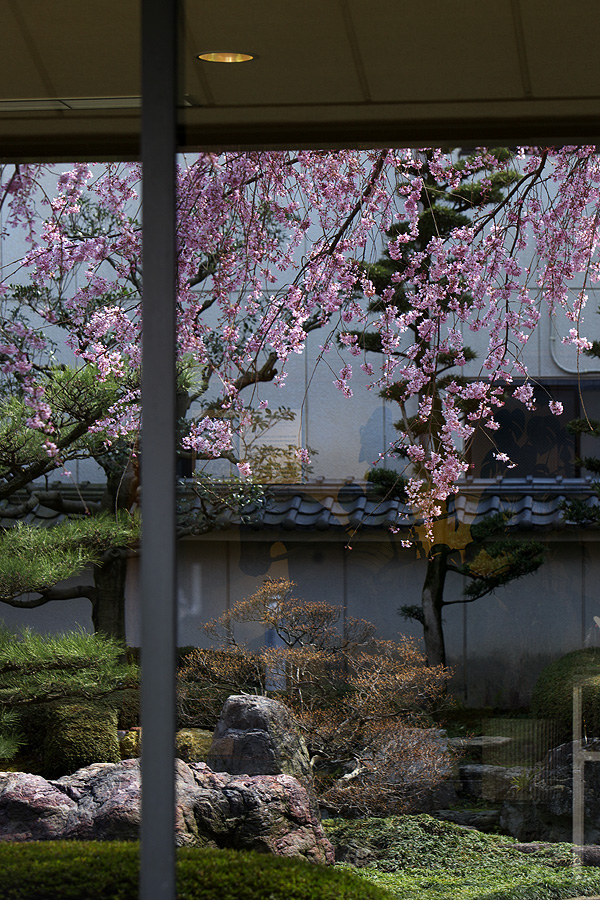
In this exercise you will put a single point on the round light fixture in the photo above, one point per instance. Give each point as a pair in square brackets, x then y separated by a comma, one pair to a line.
[223, 56]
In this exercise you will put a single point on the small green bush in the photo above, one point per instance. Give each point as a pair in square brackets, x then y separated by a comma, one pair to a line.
[64, 870]
[553, 693]
[77, 735]
[127, 705]
[192, 744]
[130, 745]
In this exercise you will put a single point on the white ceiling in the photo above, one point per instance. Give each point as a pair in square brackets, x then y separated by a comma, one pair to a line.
[327, 73]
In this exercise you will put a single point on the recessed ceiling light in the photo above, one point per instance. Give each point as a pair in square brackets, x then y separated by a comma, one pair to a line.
[223, 56]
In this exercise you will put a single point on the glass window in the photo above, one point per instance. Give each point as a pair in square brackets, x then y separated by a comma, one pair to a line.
[536, 441]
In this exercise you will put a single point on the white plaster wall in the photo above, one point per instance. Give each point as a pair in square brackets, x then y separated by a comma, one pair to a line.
[496, 646]
[57, 617]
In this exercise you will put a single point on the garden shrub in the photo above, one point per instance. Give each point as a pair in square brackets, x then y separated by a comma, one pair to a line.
[361, 703]
[77, 735]
[130, 745]
[192, 744]
[553, 693]
[40, 674]
[127, 705]
[64, 870]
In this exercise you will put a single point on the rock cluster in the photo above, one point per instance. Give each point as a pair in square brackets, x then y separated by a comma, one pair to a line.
[531, 804]
[271, 813]
[543, 809]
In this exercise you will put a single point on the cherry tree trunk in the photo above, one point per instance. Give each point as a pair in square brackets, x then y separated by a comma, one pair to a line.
[432, 601]
[108, 609]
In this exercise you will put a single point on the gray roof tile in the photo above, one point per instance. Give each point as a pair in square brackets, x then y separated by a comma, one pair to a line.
[531, 505]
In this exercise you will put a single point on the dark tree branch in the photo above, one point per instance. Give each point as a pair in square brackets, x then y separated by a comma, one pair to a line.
[377, 169]
[77, 592]
[531, 176]
[468, 599]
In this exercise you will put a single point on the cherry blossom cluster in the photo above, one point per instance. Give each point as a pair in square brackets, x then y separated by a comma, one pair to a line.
[271, 247]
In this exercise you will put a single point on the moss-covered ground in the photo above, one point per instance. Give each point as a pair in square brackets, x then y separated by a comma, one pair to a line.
[421, 857]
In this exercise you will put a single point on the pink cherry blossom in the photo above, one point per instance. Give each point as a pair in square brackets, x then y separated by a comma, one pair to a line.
[270, 247]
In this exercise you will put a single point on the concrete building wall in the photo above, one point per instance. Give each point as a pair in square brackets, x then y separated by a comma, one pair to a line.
[496, 646]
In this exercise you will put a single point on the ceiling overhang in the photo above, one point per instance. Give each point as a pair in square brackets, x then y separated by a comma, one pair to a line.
[327, 73]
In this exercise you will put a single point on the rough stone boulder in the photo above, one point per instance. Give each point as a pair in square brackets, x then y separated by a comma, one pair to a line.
[544, 810]
[494, 783]
[258, 736]
[269, 813]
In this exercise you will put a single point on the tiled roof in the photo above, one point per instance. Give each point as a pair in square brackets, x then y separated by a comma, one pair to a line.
[531, 505]
[44, 515]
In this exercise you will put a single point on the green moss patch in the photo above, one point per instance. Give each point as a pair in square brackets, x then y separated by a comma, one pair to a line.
[421, 857]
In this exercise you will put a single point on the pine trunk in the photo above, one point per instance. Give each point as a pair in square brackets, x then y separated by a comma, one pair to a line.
[108, 609]
[432, 603]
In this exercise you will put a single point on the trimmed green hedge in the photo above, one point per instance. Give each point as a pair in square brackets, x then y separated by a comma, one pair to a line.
[70, 870]
[553, 693]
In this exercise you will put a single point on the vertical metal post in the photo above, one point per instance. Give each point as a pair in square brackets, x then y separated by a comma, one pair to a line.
[158, 556]
[578, 774]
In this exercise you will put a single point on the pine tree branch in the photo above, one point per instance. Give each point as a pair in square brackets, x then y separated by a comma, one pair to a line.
[77, 592]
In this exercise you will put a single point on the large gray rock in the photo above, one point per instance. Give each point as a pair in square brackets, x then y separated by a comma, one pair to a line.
[493, 783]
[270, 813]
[258, 736]
[544, 809]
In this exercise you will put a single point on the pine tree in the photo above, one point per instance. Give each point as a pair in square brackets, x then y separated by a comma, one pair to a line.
[476, 552]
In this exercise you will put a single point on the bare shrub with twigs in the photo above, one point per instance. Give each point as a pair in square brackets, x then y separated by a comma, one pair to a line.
[363, 704]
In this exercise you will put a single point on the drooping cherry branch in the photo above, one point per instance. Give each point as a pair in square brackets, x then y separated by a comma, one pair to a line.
[272, 246]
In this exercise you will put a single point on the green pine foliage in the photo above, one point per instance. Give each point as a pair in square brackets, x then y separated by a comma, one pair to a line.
[444, 209]
[78, 397]
[498, 563]
[38, 669]
[62, 698]
[10, 736]
[34, 559]
[389, 484]
[484, 554]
